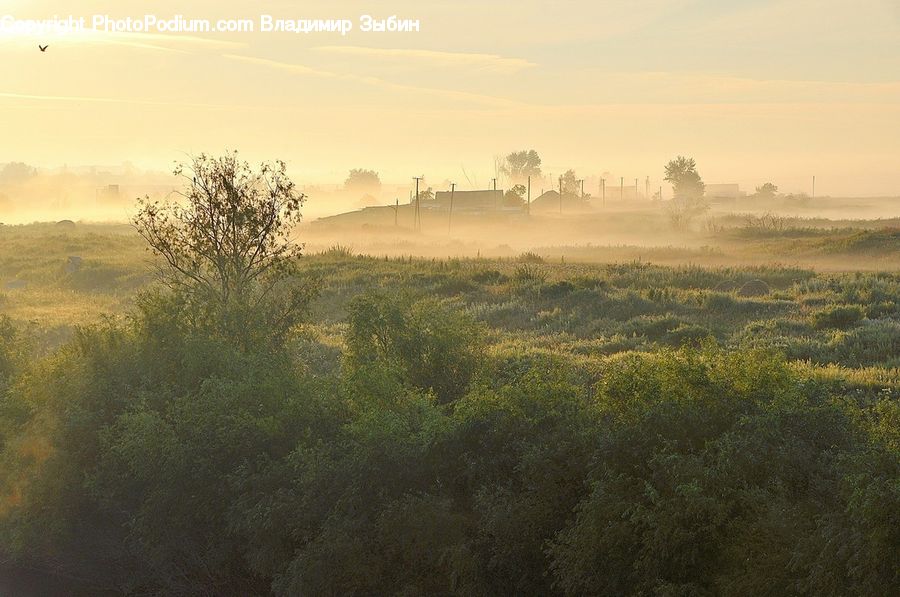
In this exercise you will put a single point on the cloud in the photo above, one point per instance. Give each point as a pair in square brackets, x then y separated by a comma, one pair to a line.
[300, 69]
[712, 88]
[481, 62]
[104, 100]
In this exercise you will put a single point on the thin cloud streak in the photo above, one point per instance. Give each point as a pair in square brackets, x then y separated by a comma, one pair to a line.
[105, 100]
[484, 62]
[375, 81]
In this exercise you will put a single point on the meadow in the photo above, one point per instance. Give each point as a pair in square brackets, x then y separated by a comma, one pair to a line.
[538, 423]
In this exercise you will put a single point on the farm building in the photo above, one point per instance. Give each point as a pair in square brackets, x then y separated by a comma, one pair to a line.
[549, 203]
[724, 191]
[469, 201]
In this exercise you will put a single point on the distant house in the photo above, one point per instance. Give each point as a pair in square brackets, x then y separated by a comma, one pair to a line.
[546, 202]
[109, 194]
[549, 203]
[468, 201]
[723, 191]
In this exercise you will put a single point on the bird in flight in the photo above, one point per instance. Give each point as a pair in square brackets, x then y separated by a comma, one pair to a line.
[43, 48]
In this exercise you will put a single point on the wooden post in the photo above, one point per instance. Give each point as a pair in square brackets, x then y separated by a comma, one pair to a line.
[528, 206]
[560, 194]
[450, 218]
[418, 218]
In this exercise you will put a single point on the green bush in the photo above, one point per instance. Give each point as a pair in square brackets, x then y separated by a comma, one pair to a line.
[838, 316]
[424, 344]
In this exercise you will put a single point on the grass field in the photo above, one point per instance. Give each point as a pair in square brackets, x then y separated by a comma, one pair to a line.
[554, 298]
[465, 417]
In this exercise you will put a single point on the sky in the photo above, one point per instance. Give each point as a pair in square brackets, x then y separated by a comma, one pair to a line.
[754, 90]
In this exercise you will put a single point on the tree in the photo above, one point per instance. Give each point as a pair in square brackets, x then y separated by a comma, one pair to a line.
[515, 196]
[519, 165]
[426, 194]
[683, 209]
[363, 182]
[688, 202]
[766, 191]
[686, 182]
[227, 245]
[570, 184]
[16, 173]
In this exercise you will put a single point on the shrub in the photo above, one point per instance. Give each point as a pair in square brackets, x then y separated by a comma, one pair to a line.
[557, 290]
[838, 316]
[754, 288]
[530, 257]
[425, 344]
[529, 273]
[488, 276]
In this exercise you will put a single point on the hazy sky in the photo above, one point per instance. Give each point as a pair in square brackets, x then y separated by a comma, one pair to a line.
[755, 90]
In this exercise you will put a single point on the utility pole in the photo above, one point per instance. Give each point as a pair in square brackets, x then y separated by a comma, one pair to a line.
[814, 188]
[647, 188]
[582, 188]
[603, 191]
[660, 193]
[621, 188]
[528, 208]
[496, 207]
[418, 218]
[450, 217]
[560, 194]
[396, 209]
[635, 189]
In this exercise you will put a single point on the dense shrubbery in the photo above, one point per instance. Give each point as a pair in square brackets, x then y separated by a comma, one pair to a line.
[158, 456]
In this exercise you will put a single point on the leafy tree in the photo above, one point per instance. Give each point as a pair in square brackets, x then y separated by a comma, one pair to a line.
[228, 245]
[519, 165]
[515, 196]
[686, 182]
[766, 191]
[683, 210]
[363, 182]
[688, 201]
[426, 194]
[16, 173]
[570, 184]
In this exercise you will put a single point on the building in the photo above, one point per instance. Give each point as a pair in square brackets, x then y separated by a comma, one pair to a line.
[467, 201]
[111, 193]
[724, 191]
[549, 203]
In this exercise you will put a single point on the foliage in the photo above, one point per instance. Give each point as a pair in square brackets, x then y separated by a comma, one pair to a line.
[519, 165]
[838, 316]
[424, 344]
[514, 197]
[686, 182]
[766, 191]
[229, 248]
[571, 186]
[552, 429]
[363, 182]
[684, 209]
